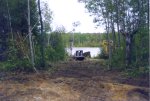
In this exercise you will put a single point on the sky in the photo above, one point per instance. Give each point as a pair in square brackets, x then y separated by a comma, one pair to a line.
[65, 12]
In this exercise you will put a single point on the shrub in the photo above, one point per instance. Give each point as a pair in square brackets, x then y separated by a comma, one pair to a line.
[118, 58]
[16, 65]
[103, 55]
[56, 50]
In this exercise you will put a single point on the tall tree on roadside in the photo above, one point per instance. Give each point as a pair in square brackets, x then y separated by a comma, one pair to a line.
[42, 37]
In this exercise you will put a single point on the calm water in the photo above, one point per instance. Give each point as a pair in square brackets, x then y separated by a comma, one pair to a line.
[94, 50]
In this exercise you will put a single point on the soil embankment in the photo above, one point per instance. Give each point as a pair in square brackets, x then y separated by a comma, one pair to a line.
[73, 81]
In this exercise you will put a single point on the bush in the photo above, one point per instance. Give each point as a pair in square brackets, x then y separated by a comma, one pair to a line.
[16, 61]
[138, 72]
[118, 58]
[103, 55]
[56, 50]
[16, 65]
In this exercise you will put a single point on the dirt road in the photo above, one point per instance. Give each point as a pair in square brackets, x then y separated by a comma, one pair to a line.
[73, 81]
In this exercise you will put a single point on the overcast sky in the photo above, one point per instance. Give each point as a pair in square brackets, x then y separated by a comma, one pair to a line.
[65, 12]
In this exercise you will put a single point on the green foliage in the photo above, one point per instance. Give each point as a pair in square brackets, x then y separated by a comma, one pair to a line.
[15, 45]
[139, 54]
[56, 50]
[18, 14]
[16, 61]
[141, 48]
[16, 65]
[127, 15]
[103, 55]
[83, 39]
[136, 72]
[118, 58]
[47, 18]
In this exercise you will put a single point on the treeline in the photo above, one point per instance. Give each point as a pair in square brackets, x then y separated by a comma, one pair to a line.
[127, 21]
[24, 44]
[83, 39]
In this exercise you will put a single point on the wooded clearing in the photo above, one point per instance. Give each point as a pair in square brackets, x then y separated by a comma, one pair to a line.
[35, 66]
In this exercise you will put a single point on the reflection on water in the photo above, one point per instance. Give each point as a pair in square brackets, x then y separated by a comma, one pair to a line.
[94, 50]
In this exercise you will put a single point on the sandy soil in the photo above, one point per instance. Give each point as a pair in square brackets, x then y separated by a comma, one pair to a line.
[73, 81]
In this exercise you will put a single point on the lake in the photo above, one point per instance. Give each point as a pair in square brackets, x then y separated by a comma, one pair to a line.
[93, 50]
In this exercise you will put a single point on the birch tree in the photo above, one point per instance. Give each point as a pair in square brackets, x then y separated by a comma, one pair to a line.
[30, 38]
[128, 16]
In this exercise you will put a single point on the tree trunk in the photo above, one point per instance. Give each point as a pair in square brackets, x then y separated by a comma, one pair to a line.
[9, 17]
[118, 22]
[30, 37]
[128, 49]
[148, 15]
[129, 42]
[108, 40]
[48, 41]
[113, 32]
[42, 37]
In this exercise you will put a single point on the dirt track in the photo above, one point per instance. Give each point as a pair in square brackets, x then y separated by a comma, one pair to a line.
[73, 81]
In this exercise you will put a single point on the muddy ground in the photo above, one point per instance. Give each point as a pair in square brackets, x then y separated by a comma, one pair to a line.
[74, 81]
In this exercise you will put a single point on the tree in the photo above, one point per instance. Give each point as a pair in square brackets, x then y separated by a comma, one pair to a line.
[56, 50]
[20, 20]
[60, 29]
[4, 29]
[42, 37]
[75, 24]
[72, 40]
[30, 38]
[19, 12]
[129, 17]
[47, 18]
[135, 24]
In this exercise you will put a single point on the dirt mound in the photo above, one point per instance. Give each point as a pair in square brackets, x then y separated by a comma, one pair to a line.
[76, 81]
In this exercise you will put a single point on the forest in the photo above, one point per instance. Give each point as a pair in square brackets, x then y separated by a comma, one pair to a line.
[34, 65]
[83, 39]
